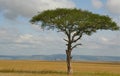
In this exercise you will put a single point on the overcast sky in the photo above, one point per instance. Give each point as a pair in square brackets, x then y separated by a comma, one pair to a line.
[19, 37]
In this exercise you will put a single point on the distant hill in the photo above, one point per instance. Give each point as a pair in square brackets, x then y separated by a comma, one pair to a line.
[57, 57]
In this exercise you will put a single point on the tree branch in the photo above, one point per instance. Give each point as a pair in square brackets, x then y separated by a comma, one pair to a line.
[75, 34]
[76, 45]
[65, 40]
[66, 32]
[75, 40]
[78, 33]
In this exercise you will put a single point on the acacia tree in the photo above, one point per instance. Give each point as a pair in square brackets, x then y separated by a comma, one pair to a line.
[74, 23]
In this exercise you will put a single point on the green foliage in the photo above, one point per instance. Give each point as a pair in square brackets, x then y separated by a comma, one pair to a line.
[74, 20]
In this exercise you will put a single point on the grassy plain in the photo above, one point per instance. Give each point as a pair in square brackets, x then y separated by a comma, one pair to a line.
[57, 68]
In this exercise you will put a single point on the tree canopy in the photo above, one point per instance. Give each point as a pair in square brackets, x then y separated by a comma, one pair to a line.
[75, 20]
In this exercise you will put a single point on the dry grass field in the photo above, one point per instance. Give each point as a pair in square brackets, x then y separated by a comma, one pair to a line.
[54, 68]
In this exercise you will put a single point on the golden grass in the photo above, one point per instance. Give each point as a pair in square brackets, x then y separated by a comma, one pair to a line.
[52, 68]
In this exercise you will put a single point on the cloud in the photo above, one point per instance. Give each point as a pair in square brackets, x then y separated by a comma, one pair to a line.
[24, 38]
[2, 32]
[14, 43]
[27, 8]
[113, 6]
[110, 41]
[97, 4]
[104, 39]
[7, 33]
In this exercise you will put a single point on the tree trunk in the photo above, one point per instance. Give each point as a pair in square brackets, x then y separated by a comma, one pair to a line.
[68, 60]
[68, 53]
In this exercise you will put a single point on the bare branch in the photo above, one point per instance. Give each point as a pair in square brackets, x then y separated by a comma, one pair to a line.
[66, 32]
[76, 45]
[75, 40]
[66, 40]
[75, 34]
[78, 33]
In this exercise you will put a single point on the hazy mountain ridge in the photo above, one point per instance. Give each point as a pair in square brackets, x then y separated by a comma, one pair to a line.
[62, 57]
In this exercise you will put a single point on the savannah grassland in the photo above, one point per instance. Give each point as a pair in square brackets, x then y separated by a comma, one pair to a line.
[56, 68]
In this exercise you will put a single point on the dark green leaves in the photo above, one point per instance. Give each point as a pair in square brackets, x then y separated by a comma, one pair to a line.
[74, 20]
